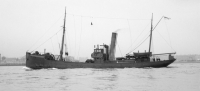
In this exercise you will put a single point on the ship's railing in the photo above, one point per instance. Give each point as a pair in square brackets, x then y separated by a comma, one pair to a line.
[163, 56]
[164, 53]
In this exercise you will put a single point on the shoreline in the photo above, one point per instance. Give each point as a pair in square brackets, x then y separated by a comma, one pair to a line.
[13, 64]
[186, 62]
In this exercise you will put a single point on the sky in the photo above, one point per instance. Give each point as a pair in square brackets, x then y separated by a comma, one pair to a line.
[35, 25]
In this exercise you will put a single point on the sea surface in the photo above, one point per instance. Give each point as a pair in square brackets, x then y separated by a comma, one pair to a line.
[176, 77]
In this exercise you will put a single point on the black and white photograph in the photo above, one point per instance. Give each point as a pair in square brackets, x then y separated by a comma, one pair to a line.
[99, 45]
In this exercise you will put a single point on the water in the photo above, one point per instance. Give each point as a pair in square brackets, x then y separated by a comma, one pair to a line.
[177, 77]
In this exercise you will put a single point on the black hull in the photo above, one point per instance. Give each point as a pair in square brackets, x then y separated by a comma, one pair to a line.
[36, 62]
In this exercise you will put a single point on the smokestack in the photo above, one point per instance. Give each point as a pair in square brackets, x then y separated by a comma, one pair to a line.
[113, 46]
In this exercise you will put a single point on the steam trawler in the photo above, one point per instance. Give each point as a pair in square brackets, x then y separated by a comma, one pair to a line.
[103, 57]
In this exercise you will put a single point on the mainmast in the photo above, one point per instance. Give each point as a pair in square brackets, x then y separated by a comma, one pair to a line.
[61, 50]
[151, 33]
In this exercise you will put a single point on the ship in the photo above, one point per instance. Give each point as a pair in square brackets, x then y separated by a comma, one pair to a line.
[103, 56]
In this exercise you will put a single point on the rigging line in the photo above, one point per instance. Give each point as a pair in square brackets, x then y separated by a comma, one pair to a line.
[119, 49]
[137, 37]
[144, 39]
[68, 44]
[157, 23]
[93, 34]
[149, 34]
[165, 40]
[57, 40]
[75, 36]
[141, 43]
[67, 41]
[152, 46]
[43, 34]
[168, 33]
[52, 46]
[59, 46]
[45, 41]
[159, 33]
[106, 17]
[80, 37]
[129, 30]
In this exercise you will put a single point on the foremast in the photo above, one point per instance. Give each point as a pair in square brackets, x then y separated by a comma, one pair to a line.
[61, 50]
[151, 33]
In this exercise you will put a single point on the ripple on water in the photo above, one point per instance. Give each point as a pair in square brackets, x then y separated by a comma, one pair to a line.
[176, 77]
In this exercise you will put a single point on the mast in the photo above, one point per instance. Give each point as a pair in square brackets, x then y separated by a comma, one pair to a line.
[61, 50]
[151, 33]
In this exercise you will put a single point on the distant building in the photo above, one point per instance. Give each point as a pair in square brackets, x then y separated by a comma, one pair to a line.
[10, 60]
[13, 60]
[187, 58]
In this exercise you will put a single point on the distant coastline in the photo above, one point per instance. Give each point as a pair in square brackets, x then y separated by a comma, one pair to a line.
[4, 61]
[187, 62]
[187, 58]
[12, 64]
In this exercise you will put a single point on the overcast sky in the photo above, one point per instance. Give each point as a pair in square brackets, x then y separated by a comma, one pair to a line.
[29, 25]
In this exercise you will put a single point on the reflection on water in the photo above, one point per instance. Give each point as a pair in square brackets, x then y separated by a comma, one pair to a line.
[177, 77]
